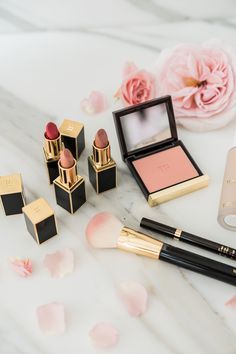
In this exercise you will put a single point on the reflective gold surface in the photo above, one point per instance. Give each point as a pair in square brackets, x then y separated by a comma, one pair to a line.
[138, 243]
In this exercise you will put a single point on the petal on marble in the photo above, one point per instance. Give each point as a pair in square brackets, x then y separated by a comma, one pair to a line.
[60, 263]
[21, 266]
[104, 335]
[95, 103]
[51, 318]
[129, 68]
[134, 296]
[231, 302]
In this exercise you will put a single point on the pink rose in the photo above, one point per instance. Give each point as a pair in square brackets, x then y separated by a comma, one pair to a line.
[138, 85]
[202, 82]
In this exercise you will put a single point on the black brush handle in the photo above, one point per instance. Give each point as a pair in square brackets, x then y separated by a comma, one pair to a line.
[199, 264]
[189, 238]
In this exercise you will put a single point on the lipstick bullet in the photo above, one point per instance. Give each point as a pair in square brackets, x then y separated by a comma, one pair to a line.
[69, 187]
[101, 166]
[52, 148]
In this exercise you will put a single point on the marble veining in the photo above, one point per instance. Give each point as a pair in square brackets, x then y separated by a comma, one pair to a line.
[53, 53]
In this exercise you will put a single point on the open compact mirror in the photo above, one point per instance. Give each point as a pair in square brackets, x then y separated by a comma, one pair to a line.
[142, 128]
[158, 160]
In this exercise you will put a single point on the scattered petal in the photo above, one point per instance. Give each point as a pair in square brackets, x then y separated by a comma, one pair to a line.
[51, 318]
[129, 68]
[104, 335]
[22, 266]
[59, 263]
[95, 103]
[231, 302]
[134, 296]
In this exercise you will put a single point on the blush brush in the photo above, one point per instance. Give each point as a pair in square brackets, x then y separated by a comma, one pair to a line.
[106, 231]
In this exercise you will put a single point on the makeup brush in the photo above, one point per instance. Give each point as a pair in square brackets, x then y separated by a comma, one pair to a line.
[105, 231]
[194, 240]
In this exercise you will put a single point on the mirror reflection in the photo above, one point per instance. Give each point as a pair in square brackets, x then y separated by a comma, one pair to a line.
[146, 127]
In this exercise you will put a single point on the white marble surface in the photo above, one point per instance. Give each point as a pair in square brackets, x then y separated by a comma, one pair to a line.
[53, 53]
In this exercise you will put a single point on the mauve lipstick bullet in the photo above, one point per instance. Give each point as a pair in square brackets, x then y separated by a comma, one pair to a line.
[52, 149]
[69, 186]
[101, 166]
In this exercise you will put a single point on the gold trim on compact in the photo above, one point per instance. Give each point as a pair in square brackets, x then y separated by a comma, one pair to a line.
[178, 190]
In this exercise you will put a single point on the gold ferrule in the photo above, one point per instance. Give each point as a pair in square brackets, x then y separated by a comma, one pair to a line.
[102, 156]
[139, 243]
[177, 234]
[68, 176]
[52, 148]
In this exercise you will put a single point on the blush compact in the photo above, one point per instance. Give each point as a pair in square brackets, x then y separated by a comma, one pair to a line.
[158, 160]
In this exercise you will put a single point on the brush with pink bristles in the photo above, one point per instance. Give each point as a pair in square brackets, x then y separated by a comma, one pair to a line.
[106, 231]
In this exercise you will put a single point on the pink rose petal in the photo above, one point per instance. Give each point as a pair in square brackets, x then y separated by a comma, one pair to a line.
[51, 318]
[21, 266]
[231, 302]
[129, 68]
[137, 86]
[104, 335]
[134, 296]
[95, 103]
[201, 78]
[59, 263]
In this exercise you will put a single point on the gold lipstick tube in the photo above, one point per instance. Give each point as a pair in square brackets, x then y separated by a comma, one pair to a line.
[69, 188]
[52, 149]
[102, 169]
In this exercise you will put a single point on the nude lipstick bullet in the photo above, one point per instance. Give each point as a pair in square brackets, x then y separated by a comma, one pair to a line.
[52, 149]
[69, 187]
[101, 166]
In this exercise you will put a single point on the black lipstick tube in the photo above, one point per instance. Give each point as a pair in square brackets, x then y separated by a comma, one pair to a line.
[194, 240]
[69, 188]
[102, 169]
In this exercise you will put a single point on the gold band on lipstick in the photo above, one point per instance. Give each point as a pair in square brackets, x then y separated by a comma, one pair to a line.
[53, 147]
[68, 176]
[138, 243]
[101, 156]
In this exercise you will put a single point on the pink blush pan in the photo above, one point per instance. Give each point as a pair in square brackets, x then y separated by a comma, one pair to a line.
[165, 169]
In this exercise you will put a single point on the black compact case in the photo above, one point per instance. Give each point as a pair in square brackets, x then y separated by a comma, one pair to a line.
[146, 129]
